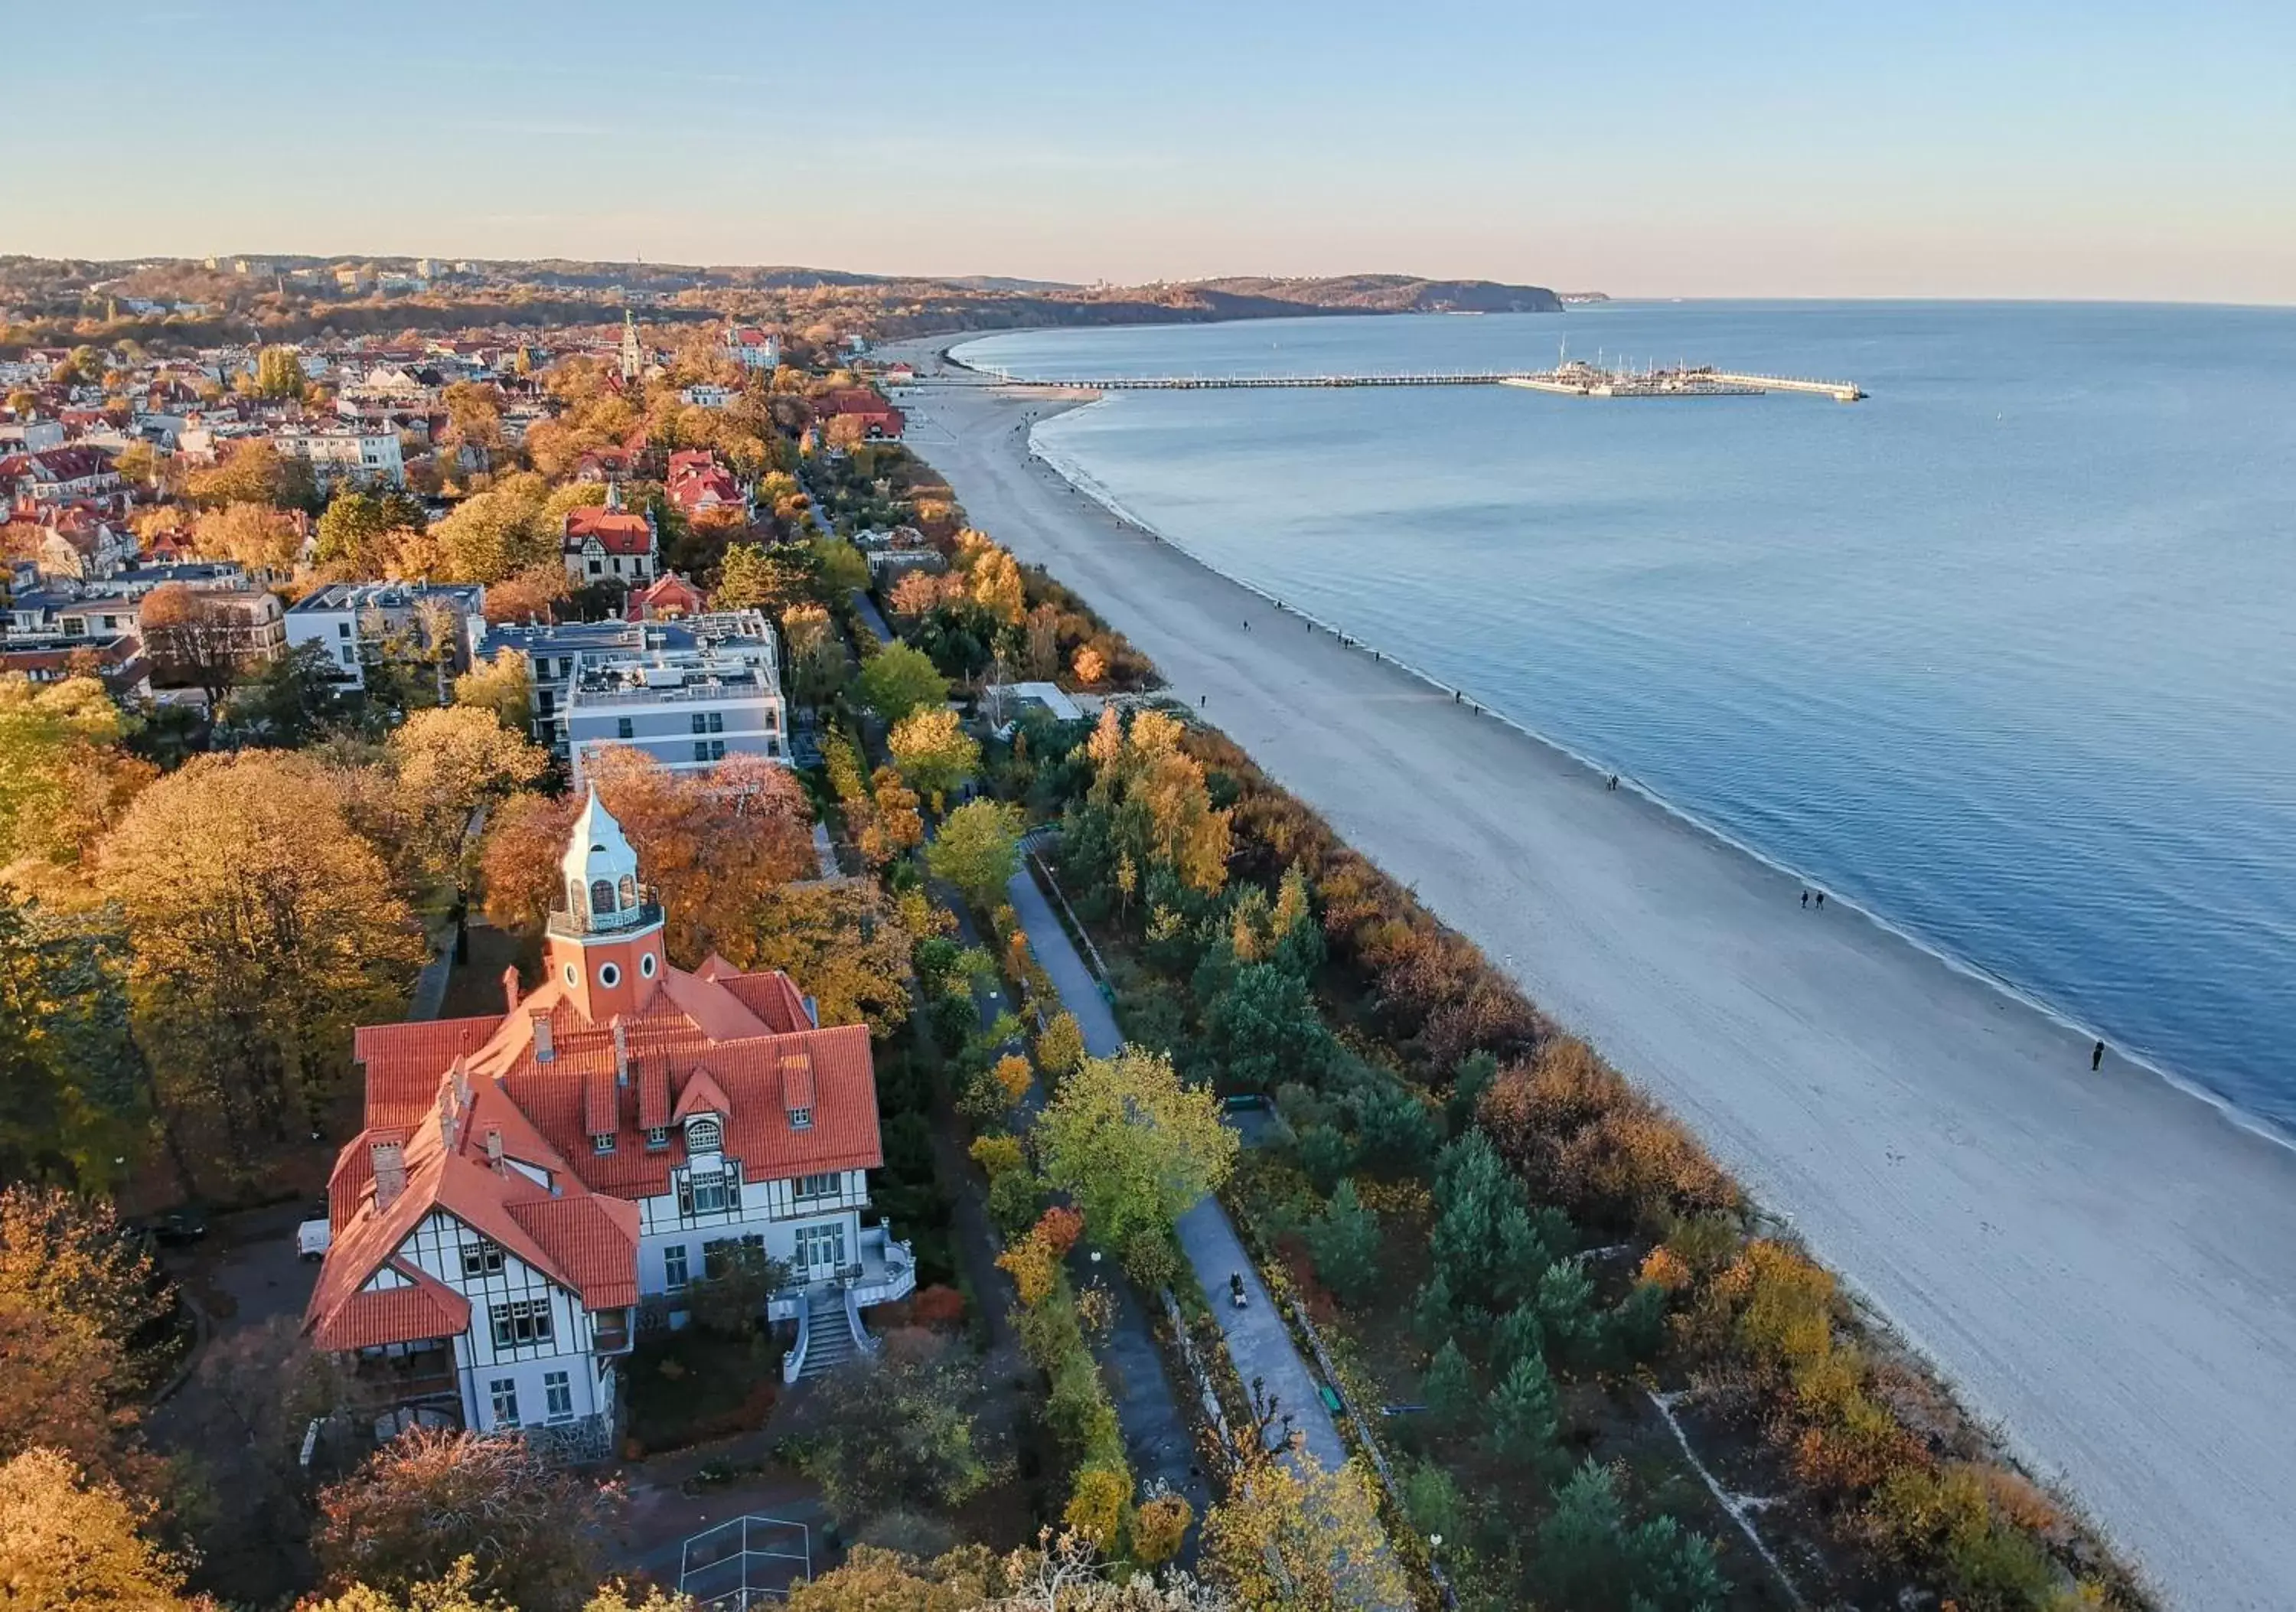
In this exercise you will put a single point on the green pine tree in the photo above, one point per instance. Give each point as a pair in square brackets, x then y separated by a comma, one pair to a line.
[1525, 1426]
[1449, 1385]
[1344, 1240]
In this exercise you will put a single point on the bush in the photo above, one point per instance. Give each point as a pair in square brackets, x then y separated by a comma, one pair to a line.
[1096, 1508]
[1159, 1528]
[998, 1155]
[1014, 1199]
[1149, 1259]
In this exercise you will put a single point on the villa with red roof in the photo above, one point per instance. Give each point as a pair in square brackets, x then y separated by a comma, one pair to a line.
[605, 542]
[532, 1188]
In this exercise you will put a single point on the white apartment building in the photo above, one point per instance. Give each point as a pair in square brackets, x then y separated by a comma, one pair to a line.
[363, 454]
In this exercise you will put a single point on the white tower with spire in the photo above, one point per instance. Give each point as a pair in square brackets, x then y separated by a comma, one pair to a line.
[605, 946]
[633, 355]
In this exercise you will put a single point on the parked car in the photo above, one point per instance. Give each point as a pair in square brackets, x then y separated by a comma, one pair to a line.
[177, 1228]
[315, 1234]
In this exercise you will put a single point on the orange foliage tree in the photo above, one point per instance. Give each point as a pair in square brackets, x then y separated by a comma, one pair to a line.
[717, 843]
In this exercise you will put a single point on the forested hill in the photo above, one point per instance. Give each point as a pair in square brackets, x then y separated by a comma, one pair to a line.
[1393, 294]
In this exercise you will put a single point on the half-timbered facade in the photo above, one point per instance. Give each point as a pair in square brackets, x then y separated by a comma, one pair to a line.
[529, 1184]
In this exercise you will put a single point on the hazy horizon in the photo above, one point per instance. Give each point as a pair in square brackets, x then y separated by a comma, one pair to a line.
[1790, 151]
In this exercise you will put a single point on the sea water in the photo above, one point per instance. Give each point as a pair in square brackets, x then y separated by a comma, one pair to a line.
[2005, 653]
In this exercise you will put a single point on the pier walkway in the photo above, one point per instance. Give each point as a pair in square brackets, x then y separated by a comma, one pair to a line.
[1574, 381]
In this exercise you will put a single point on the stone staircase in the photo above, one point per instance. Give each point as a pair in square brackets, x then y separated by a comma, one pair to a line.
[829, 1340]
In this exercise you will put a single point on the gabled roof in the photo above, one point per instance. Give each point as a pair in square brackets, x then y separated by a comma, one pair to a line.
[425, 1308]
[618, 530]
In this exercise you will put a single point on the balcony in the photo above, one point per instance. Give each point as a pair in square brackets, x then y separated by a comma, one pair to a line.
[886, 1271]
[376, 1382]
[609, 1331]
[567, 926]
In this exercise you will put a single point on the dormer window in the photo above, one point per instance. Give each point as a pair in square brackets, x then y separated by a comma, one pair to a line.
[800, 1119]
[603, 1142]
[656, 1138]
[704, 1134]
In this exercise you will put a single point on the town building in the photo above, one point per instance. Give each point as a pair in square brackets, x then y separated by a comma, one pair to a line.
[753, 349]
[532, 1188]
[687, 707]
[361, 454]
[696, 484]
[880, 420]
[607, 543]
[669, 597]
[554, 652]
[355, 623]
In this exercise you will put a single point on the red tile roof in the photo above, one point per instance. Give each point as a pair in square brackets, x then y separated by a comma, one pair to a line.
[470, 1104]
[426, 1309]
[618, 530]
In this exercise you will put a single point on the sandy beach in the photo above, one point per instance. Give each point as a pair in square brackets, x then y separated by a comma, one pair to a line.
[2101, 1263]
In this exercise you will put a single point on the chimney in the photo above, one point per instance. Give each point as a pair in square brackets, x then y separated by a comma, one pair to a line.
[494, 1150]
[621, 1053]
[389, 1160]
[542, 1050]
[509, 989]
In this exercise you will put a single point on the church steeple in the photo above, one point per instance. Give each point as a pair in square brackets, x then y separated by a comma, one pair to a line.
[633, 355]
[604, 942]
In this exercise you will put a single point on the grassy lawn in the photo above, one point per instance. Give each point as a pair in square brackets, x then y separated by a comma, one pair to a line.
[689, 1386]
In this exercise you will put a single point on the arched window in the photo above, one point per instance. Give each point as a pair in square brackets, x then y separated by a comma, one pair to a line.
[574, 897]
[630, 892]
[602, 896]
[702, 1135]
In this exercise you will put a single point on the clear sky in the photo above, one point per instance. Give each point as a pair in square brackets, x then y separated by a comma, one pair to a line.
[1852, 147]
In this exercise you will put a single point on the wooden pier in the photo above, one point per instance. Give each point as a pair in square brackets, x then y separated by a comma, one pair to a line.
[1579, 380]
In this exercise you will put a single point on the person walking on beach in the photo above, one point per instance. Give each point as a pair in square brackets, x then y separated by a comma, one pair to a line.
[2096, 1058]
[1805, 901]
[1821, 900]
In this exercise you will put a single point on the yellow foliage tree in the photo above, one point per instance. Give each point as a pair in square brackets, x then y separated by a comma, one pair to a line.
[63, 779]
[264, 928]
[933, 752]
[1060, 1046]
[1134, 1146]
[1293, 1535]
[1159, 1529]
[70, 1544]
[1096, 1504]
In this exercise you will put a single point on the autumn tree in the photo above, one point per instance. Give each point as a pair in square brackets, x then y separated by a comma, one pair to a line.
[71, 1077]
[450, 762]
[191, 636]
[890, 822]
[429, 1499]
[899, 1431]
[757, 577]
[1060, 1045]
[933, 752]
[63, 779]
[1292, 1534]
[252, 473]
[532, 593]
[816, 654]
[716, 842]
[254, 535]
[841, 940]
[360, 532]
[265, 929]
[72, 1542]
[978, 849]
[897, 680]
[500, 531]
[1134, 1146]
[278, 374]
[501, 686]
[1157, 802]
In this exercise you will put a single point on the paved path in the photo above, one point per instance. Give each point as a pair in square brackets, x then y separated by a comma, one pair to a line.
[1258, 1341]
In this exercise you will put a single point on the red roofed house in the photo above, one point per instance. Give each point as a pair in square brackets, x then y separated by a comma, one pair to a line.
[604, 542]
[752, 348]
[880, 420]
[526, 1183]
[667, 598]
[697, 482]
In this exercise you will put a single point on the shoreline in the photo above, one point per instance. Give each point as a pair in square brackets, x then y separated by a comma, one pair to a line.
[1078, 480]
[2103, 1269]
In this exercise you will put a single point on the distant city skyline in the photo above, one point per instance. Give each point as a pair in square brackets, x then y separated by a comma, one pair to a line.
[2109, 151]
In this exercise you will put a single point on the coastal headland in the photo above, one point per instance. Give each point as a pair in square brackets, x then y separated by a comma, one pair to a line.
[2101, 1263]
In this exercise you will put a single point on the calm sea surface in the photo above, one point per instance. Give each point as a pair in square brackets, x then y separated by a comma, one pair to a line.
[2006, 655]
